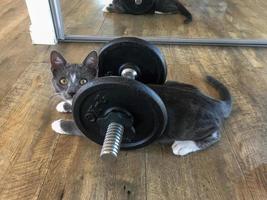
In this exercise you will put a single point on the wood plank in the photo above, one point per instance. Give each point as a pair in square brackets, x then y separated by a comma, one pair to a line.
[19, 52]
[76, 172]
[26, 140]
[249, 140]
[246, 129]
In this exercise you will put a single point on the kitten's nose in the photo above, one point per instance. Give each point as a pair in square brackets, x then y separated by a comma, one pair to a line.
[71, 93]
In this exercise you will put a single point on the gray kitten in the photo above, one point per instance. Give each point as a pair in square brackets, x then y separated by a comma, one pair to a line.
[194, 118]
[160, 6]
[68, 78]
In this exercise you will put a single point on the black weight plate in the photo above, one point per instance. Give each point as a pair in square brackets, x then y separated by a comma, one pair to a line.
[98, 96]
[148, 58]
[137, 9]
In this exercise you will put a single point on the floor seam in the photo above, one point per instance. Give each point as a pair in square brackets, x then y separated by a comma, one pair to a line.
[48, 167]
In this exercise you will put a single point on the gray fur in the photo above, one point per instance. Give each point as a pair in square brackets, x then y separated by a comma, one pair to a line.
[69, 128]
[194, 116]
[208, 141]
[73, 73]
[67, 107]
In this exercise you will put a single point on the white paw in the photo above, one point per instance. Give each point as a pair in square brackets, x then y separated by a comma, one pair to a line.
[105, 9]
[215, 135]
[57, 128]
[159, 13]
[182, 148]
[60, 107]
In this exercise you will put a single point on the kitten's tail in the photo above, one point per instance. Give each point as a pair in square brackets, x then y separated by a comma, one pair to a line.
[184, 12]
[226, 99]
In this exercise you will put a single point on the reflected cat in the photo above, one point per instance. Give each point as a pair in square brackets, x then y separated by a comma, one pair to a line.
[159, 7]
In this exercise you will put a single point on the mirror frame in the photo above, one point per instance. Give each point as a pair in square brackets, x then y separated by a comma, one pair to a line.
[62, 37]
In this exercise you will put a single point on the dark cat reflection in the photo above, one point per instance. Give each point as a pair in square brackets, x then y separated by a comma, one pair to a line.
[159, 6]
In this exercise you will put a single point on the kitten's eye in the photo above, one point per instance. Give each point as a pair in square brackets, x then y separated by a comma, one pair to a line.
[63, 81]
[83, 81]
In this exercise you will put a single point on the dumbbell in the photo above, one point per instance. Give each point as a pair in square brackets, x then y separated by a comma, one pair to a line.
[133, 58]
[138, 2]
[119, 113]
[137, 7]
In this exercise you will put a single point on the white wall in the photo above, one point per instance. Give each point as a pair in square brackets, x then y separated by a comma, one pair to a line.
[42, 28]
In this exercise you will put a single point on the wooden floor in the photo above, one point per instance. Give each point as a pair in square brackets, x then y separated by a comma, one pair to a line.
[36, 163]
[238, 19]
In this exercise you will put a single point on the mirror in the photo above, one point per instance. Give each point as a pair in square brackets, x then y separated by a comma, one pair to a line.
[212, 19]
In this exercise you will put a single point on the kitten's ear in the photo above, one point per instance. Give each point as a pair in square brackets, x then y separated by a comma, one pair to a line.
[57, 60]
[91, 62]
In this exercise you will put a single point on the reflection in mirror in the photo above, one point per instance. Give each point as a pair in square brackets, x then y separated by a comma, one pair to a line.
[237, 19]
[141, 7]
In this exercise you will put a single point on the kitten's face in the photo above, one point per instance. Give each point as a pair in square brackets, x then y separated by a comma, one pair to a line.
[68, 78]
